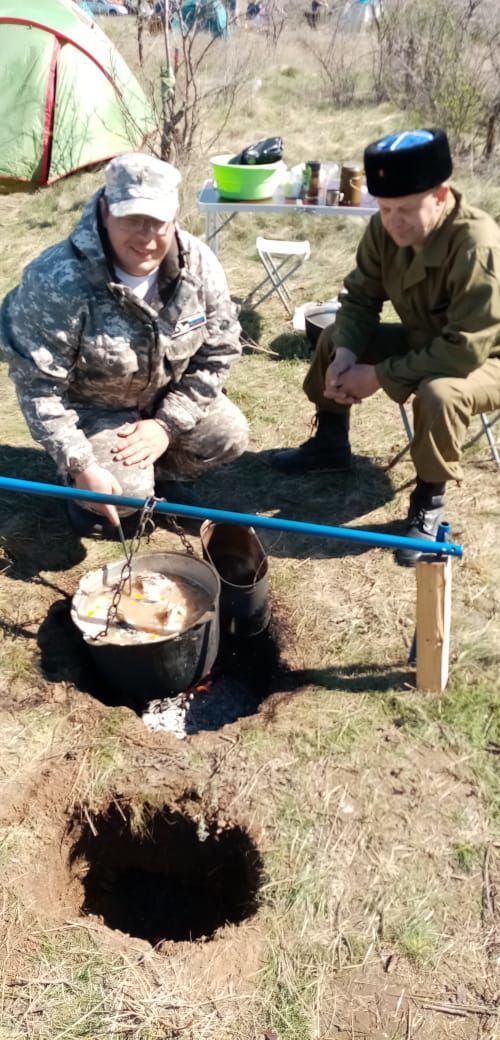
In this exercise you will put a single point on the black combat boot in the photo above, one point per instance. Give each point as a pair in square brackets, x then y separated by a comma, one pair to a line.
[328, 449]
[178, 491]
[88, 524]
[424, 517]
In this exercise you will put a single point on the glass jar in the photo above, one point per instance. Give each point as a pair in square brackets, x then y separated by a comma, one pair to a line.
[312, 190]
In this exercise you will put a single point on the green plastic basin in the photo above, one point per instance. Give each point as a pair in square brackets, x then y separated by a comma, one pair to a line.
[245, 183]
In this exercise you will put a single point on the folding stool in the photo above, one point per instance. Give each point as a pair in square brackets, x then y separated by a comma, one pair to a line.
[290, 256]
[486, 424]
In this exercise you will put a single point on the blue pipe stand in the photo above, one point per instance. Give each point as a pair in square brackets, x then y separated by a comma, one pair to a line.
[347, 534]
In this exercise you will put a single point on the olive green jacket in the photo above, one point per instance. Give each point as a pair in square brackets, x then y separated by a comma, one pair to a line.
[447, 296]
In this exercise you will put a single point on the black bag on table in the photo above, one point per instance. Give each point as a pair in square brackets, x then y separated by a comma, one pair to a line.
[268, 151]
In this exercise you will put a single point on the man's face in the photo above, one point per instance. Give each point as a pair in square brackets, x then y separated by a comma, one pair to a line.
[411, 218]
[139, 244]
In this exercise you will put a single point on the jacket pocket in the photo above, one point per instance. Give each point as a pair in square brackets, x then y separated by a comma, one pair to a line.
[180, 349]
[104, 369]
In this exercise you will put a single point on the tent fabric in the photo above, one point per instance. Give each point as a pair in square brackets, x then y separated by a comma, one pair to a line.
[67, 98]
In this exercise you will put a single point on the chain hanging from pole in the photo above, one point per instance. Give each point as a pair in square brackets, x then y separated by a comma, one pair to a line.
[145, 528]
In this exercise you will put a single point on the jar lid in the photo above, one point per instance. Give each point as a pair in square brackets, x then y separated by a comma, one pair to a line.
[314, 164]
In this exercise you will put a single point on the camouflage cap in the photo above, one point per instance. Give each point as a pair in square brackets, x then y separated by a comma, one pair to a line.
[138, 183]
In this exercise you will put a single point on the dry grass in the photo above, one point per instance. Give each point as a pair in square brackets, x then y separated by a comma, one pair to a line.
[375, 808]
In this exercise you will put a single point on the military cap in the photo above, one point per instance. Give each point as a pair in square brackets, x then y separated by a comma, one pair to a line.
[141, 184]
[407, 163]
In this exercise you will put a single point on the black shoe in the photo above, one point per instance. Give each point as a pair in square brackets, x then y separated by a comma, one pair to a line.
[178, 491]
[424, 517]
[327, 451]
[89, 525]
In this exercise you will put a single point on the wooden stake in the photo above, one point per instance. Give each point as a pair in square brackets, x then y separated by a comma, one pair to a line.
[433, 623]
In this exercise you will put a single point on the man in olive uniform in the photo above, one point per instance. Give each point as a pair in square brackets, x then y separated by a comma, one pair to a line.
[119, 341]
[438, 261]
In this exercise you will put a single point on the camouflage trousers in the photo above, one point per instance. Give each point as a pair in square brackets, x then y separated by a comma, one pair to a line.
[220, 436]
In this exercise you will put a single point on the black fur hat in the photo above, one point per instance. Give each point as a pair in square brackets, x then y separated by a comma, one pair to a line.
[407, 163]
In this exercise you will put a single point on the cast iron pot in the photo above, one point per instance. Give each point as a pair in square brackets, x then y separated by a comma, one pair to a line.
[316, 320]
[164, 667]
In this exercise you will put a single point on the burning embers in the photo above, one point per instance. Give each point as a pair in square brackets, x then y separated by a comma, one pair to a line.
[243, 675]
[210, 704]
[173, 878]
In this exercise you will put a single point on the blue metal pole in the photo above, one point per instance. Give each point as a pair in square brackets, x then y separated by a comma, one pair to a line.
[385, 541]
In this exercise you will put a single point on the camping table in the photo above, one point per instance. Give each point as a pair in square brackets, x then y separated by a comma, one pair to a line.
[214, 207]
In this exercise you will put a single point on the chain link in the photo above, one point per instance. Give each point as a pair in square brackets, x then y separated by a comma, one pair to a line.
[145, 528]
[177, 529]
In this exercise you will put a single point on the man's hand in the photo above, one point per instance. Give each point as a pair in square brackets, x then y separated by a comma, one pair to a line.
[358, 382]
[96, 478]
[343, 362]
[140, 443]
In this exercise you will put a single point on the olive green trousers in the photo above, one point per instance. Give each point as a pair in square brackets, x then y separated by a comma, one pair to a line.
[442, 407]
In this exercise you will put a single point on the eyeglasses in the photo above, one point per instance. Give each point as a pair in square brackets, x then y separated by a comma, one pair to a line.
[139, 223]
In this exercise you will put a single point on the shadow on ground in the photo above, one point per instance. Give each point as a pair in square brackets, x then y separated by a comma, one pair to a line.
[64, 657]
[34, 530]
[251, 485]
[355, 678]
[291, 346]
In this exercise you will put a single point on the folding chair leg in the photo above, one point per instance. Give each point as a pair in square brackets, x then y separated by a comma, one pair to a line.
[490, 439]
[277, 282]
[406, 423]
[484, 422]
[280, 259]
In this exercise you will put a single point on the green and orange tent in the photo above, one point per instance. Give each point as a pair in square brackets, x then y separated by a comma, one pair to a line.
[67, 98]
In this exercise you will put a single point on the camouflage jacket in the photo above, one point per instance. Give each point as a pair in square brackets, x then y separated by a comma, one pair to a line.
[75, 338]
[447, 296]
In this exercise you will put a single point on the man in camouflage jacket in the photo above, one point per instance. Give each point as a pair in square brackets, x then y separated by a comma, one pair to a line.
[437, 260]
[119, 340]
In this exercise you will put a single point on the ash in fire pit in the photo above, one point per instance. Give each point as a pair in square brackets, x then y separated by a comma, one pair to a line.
[175, 880]
[244, 674]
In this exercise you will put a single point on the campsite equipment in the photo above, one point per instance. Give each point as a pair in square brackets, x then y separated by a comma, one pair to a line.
[241, 563]
[247, 183]
[269, 150]
[165, 666]
[348, 534]
[319, 318]
[68, 99]
[351, 182]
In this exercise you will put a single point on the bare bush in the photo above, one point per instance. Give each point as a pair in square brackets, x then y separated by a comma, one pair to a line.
[432, 61]
[276, 16]
[198, 73]
[336, 59]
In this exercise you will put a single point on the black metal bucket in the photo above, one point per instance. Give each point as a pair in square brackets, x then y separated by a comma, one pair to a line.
[242, 565]
[166, 666]
[317, 319]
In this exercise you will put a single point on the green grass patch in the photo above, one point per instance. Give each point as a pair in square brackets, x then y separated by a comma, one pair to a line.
[468, 857]
[417, 941]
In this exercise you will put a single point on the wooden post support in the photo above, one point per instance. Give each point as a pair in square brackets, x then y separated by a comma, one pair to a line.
[433, 623]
